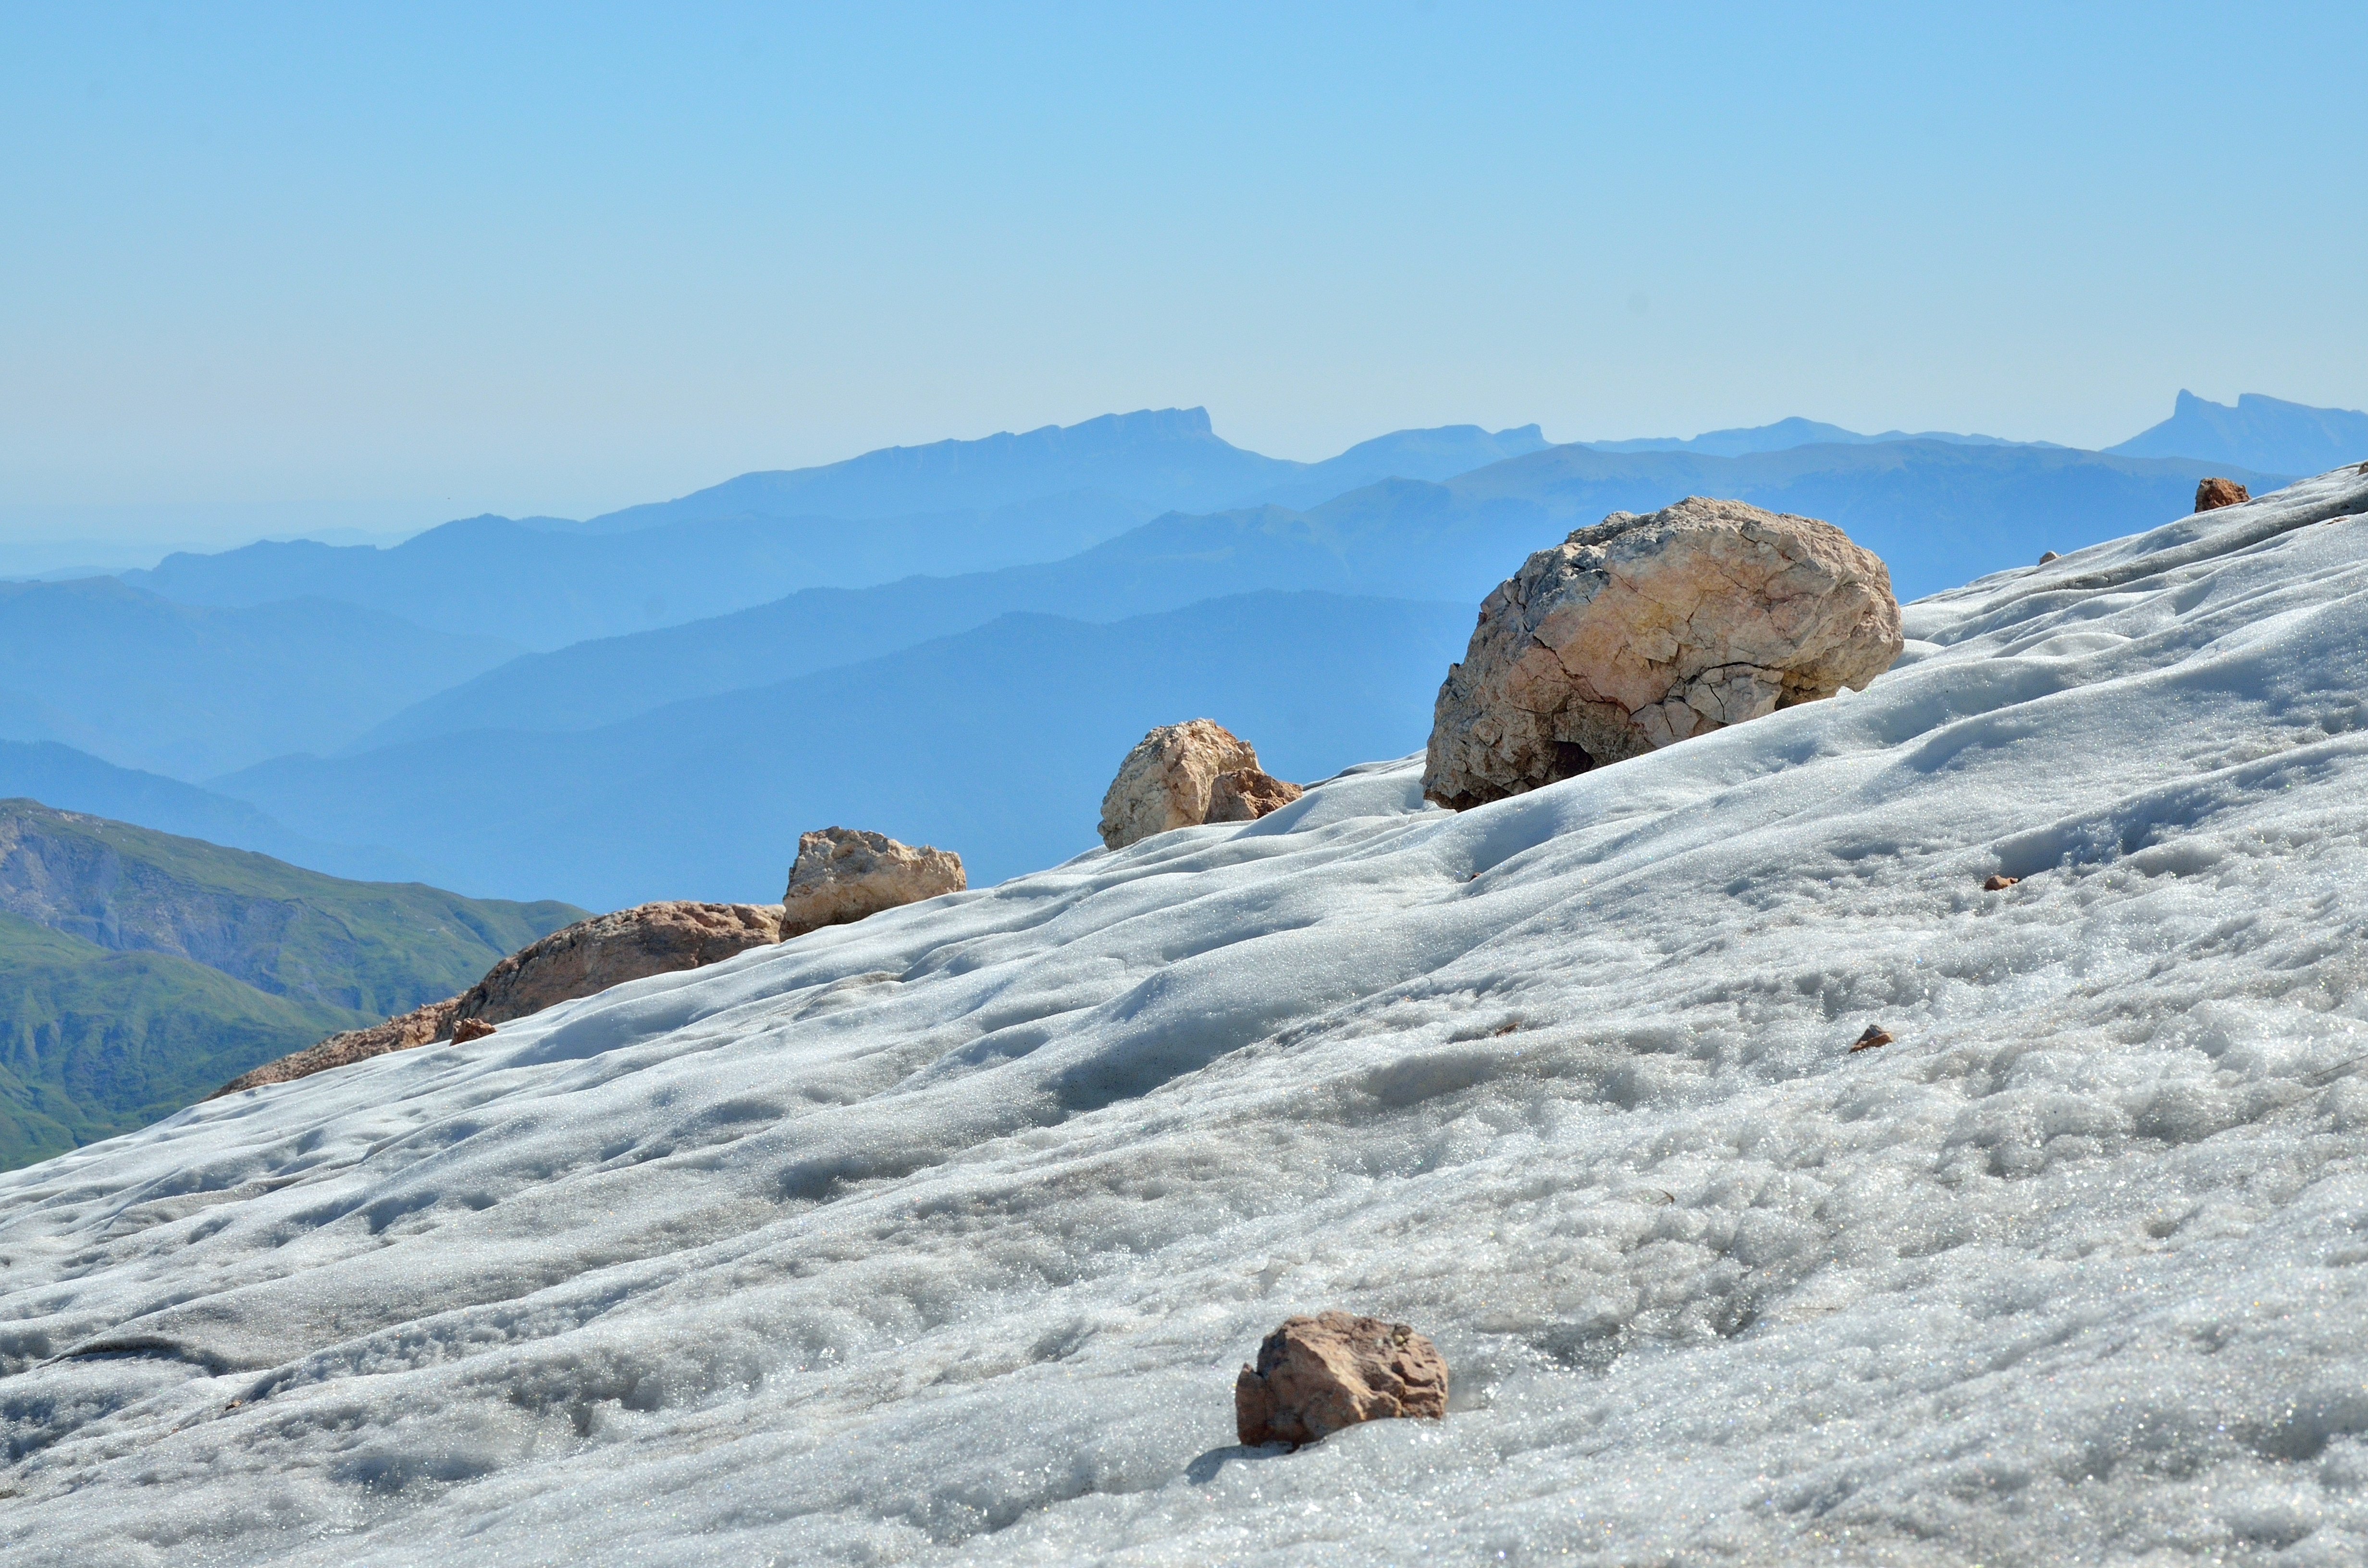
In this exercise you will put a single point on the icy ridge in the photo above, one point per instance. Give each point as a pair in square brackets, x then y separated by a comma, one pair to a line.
[937, 1238]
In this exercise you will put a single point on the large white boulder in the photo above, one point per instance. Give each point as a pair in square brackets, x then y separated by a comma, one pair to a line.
[1644, 630]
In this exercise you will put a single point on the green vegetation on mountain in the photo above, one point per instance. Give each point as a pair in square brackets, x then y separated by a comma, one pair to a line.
[93, 1042]
[139, 970]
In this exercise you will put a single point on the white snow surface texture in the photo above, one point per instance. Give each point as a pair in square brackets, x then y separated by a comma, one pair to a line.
[940, 1238]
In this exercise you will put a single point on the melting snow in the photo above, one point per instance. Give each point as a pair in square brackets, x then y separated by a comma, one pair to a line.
[940, 1238]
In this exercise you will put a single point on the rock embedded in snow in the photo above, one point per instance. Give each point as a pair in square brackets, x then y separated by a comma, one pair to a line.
[2213, 493]
[1246, 794]
[1645, 631]
[1875, 1035]
[2047, 555]
[421, 1026]
[1316, 1375]
[467, 1029]
[2000, 884]
[843, 874]
[1167, 779]
[608, 950]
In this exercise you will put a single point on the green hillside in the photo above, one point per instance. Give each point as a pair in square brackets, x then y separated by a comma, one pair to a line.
[93, 1042]
[140, 970]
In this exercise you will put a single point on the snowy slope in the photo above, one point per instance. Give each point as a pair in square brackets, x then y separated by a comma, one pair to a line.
[939, 1239]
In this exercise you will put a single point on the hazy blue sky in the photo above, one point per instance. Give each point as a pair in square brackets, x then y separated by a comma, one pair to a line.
[392, 264]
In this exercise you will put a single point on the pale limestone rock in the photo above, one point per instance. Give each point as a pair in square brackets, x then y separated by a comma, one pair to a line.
[1166, 781]
[1316, 1375]
[1643, 632]
[1246, 794]
[843, 874]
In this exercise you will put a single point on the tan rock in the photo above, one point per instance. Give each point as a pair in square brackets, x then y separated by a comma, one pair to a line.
[1166, 781]
[1645, 631]
[1246, 794]
[590, 956]
[1875, 1035]
[1316, 1375]
[2000, 884]
[843, 874]
[2212, 495]
[418, 1028]
[576, 961]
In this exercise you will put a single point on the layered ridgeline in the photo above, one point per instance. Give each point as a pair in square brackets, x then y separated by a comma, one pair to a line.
[948, 508]
[947, 710]
[940, 1238]
[139, 970]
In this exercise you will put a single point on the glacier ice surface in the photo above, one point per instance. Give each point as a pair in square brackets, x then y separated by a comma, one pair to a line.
[938, 1238]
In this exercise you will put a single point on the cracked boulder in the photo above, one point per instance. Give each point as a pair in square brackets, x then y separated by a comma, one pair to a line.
[1643, 632]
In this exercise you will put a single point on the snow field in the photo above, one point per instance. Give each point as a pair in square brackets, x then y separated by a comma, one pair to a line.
[940, 1238]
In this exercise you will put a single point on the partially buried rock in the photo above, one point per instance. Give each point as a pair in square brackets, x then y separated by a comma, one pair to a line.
[1167, 780]
[1316, 1375]
[609, 949]
[421, 1025]
[2047, 555]
[1644, 630]
[468, 1029]
[843, 874]
[2000, 884]
[1246, 794]
[1875, 1035]
[2214, 493]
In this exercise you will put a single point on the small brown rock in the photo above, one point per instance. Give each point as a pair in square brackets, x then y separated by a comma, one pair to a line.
[2047, 555]
[468, 1029]
[2213, 493]
[1999, 885]
[1875, 1035]
[1316, 1375]
[1246, 794]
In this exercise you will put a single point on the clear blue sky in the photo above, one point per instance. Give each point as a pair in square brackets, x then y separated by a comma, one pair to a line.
[399, 263]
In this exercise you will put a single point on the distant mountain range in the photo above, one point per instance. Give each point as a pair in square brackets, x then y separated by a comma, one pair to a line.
[2259, 433]
[997, 742]
[77, 781]
[951, 507]
[1786, 434]
[371, 712]
[1975, 509]
[137, 969]
[189, 690]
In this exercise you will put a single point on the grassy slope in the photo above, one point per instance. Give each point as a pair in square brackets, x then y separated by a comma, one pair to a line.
[94, 1042]
[139, 970]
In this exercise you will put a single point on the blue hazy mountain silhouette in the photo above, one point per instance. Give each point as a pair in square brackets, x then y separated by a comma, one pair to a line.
[999, 743]
[1939, 514]
[71, 780]
[949, 507]
[2259, 432]
[1786, 434]
[191, 690]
